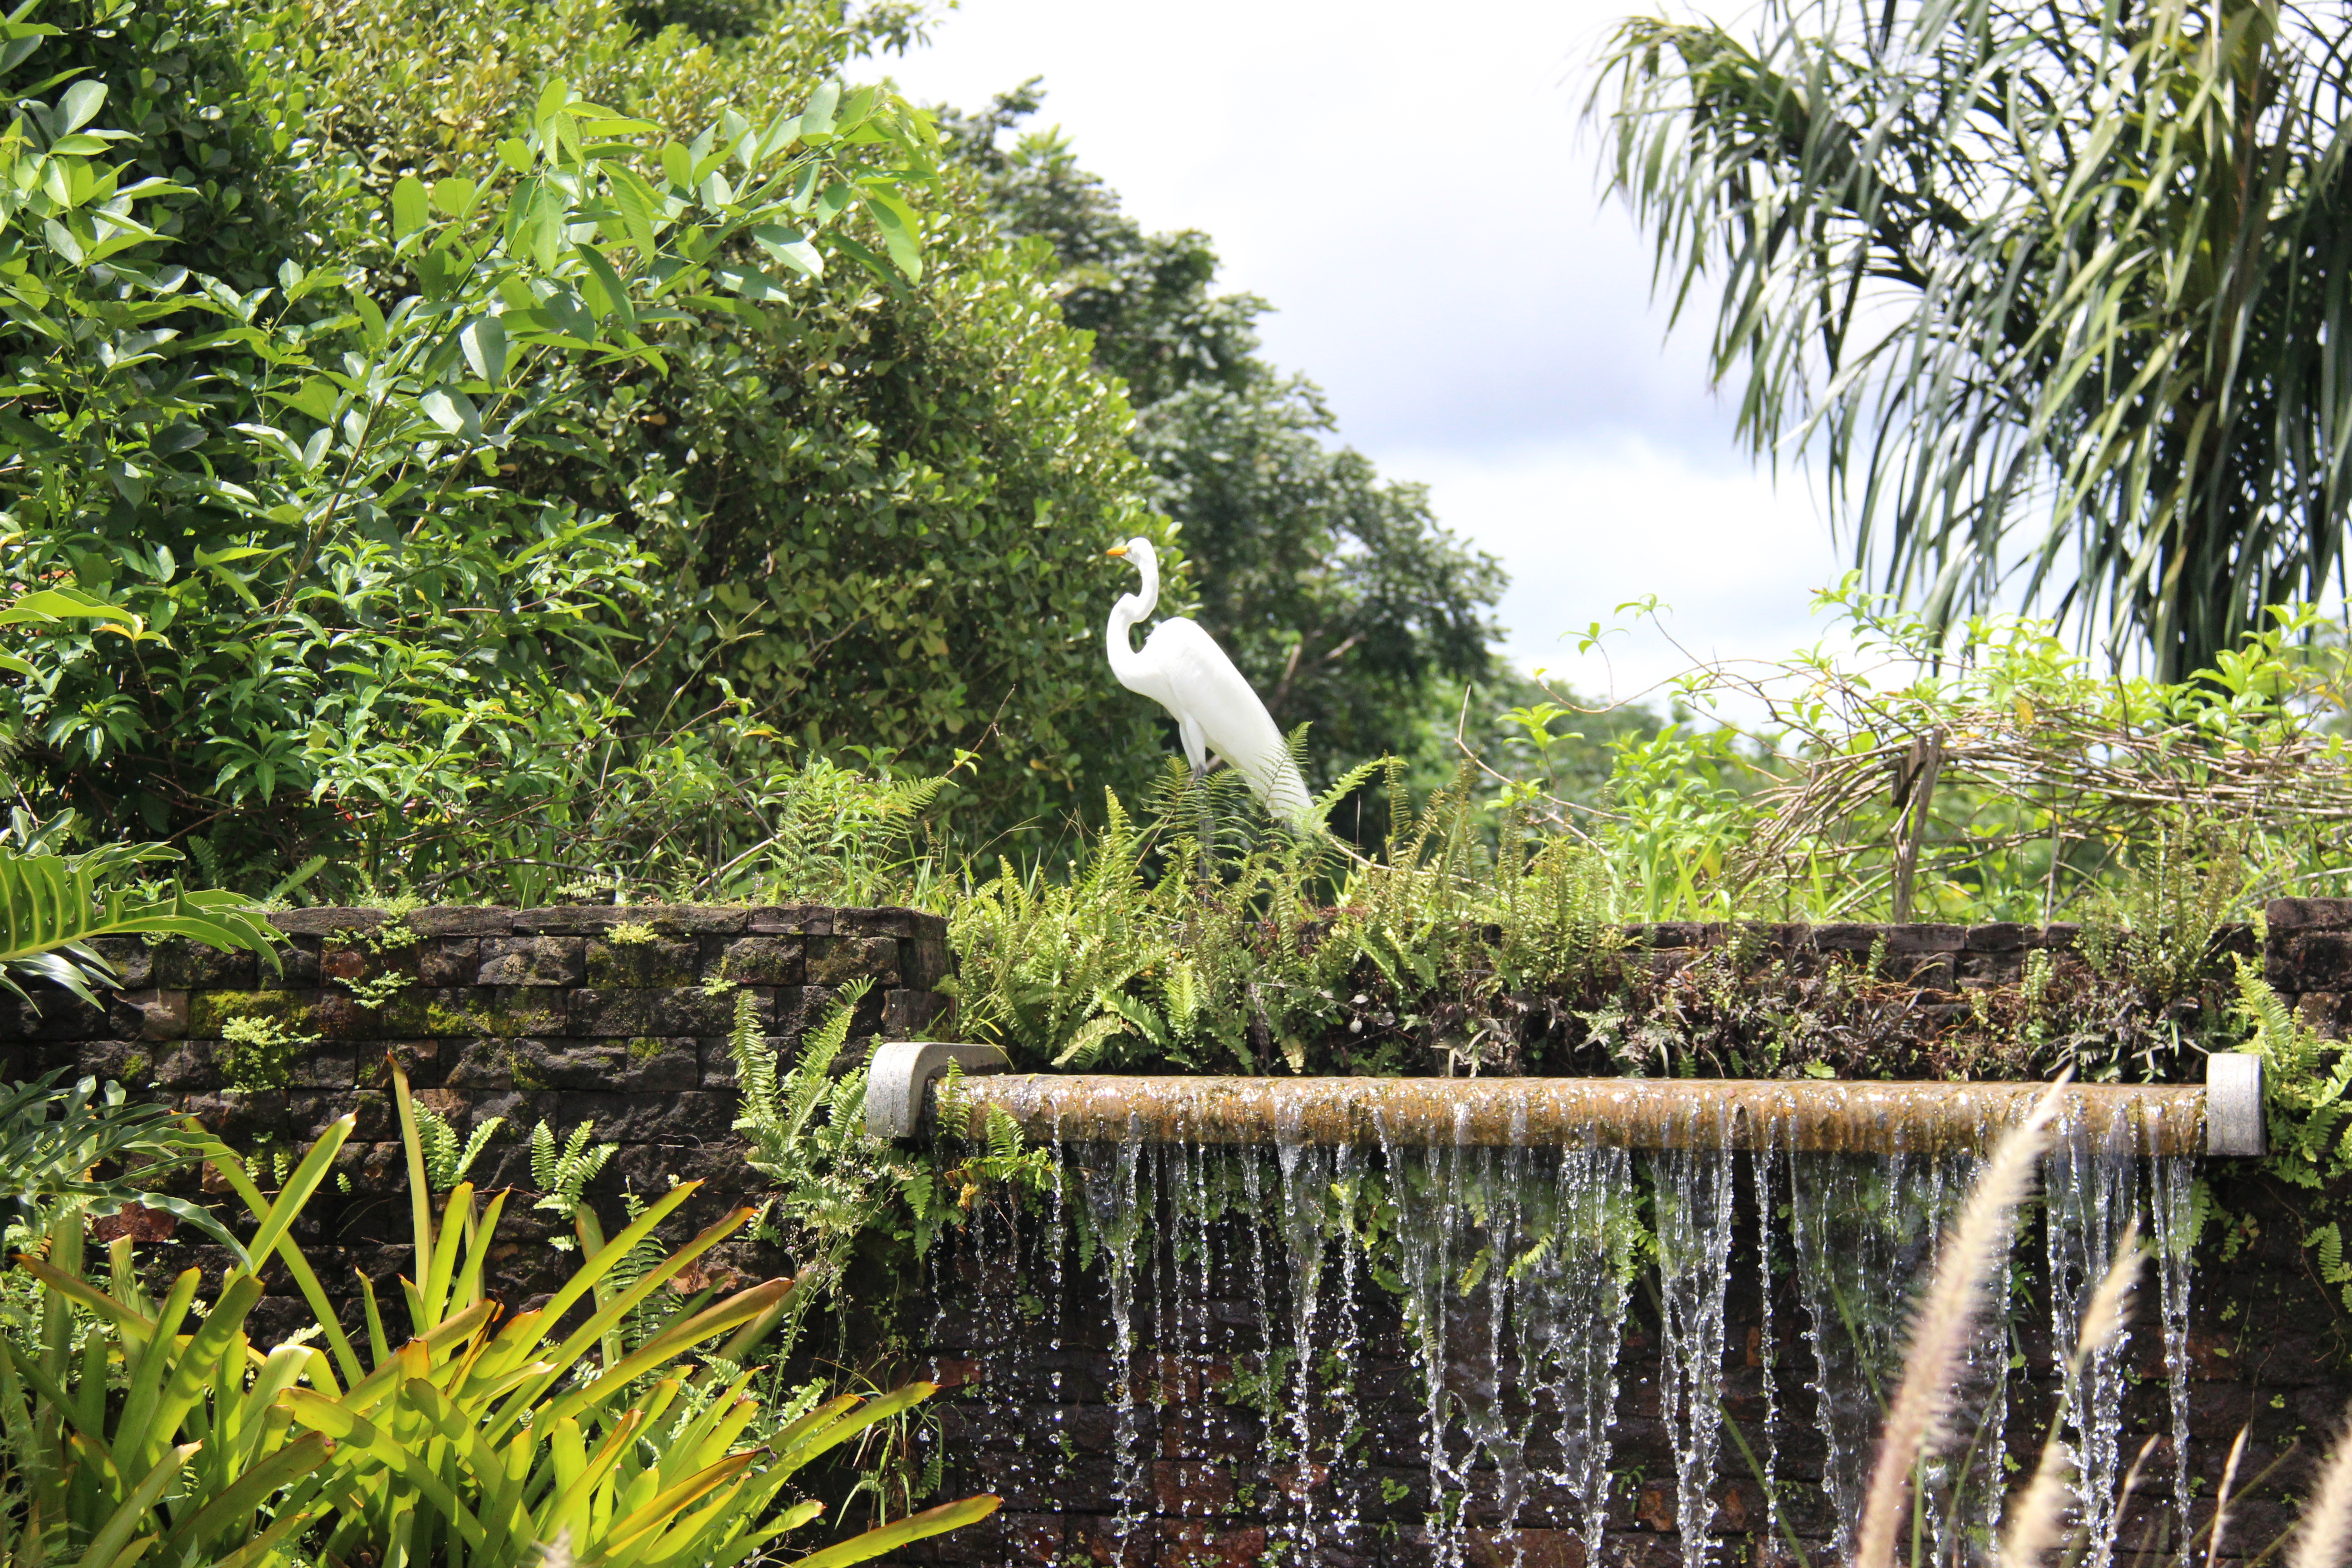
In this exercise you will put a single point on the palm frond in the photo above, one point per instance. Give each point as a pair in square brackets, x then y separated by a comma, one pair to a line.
[2056, 301]
[52, 906]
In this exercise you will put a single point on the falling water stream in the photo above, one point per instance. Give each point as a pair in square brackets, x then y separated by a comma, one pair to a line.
[1506, 1282]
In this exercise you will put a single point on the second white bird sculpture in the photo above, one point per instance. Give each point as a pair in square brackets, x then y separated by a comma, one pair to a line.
[1182, 668]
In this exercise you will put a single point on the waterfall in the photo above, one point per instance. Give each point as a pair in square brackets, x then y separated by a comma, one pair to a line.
[1862, 1224]
[1270, 1280]
[1692, 1187]
[2096, 1185]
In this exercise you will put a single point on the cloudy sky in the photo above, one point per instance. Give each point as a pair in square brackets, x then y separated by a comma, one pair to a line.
[1412, 188]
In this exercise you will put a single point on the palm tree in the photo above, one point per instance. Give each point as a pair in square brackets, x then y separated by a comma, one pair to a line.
[2057, 292]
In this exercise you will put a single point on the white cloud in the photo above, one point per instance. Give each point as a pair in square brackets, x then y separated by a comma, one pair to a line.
[1410, 189]
[1590, 525]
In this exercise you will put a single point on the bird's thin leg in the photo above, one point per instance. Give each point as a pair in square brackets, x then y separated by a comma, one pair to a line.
[1195, 742]
[1208, 828]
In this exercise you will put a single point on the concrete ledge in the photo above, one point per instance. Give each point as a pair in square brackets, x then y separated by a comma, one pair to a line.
[2235, 1126]
[899, 1071]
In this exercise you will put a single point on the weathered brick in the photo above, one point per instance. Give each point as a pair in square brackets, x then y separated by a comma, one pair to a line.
[1926, 938]
[148, 1014]
[187, 1064]
[763, 960]
[329, 1064]
[790, 920]
[916, 1015]
[460, 920]
[884, 921]
[924, 962]
[691, 1010]
[837, 960]
[210, 1011]
[2314, 961]
[1192, 1488]
[132, 958]
[532, 961]
[341, 1016]
[326, 921]
[450, 960]
[640, 1065]
[606, 1012]
[2313, 914]
[665, 961]
[2325, 1011]
[594, 920]
[187, 966]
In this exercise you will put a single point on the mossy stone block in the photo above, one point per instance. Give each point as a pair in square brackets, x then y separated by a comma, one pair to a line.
[762, 961]
[210, 1012]
[663, 962]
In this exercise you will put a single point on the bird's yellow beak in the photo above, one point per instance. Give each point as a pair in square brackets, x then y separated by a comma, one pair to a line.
[1116, 550]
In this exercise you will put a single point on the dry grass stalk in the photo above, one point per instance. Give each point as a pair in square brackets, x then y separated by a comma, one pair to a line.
[2103, 1320]
[1944, 1326]
[2131, 1485]
[2037, 1518]
[2326, 1528]
[2221, 1499]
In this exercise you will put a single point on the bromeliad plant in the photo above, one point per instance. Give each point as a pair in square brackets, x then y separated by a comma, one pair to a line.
[475, 1442]
[52, 904]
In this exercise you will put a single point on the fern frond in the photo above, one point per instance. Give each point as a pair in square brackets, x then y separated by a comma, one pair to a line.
[811, 1074]
[1087, 1044]
[438, 1142]
[755, 1068]
[1346, 784]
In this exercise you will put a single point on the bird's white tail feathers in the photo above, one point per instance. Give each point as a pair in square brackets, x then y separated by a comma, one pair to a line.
[1284, 793]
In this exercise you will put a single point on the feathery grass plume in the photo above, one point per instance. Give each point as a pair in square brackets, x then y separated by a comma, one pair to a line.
[1944, 1325]
[2103, 1320]
[2327, 1527]
[2037, 1518]
[2124, 1497]
[2221, 1499]
[557, 1554]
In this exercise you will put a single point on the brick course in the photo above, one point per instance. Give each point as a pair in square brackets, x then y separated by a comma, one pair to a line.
[545, 1014]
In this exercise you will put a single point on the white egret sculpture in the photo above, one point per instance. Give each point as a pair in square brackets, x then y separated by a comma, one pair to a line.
[1183, 669]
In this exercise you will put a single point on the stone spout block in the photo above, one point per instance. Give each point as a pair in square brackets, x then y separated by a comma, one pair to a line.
[2235, 1126]
[900, 1073]
[1808, 1115]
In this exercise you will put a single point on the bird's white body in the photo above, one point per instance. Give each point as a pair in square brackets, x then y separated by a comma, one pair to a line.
[1182, 668]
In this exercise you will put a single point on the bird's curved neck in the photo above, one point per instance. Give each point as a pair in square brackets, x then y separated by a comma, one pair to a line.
[1125, 662]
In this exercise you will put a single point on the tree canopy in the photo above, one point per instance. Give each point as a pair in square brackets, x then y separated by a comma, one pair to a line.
[520, 449]
[2056, 292]
[1337, 592]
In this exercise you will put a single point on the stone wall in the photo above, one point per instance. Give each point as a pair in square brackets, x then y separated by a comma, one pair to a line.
[566, 1015]
[619, 1015]
[1033, 1351]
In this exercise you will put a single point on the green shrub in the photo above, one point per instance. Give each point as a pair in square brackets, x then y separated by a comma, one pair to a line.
[221, 1454]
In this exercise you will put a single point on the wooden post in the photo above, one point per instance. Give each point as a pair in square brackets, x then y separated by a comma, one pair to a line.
[1915, 791]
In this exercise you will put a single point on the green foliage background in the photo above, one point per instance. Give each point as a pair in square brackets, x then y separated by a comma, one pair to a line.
[597, 629]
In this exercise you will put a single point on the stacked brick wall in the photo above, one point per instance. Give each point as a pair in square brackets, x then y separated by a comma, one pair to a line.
[565, 1014]
[560, 1015]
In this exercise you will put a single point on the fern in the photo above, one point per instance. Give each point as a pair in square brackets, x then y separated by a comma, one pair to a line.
[1086, 1046]
[755, 1069]
[447, 1160]
[811, 1076]
[562, 1176]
